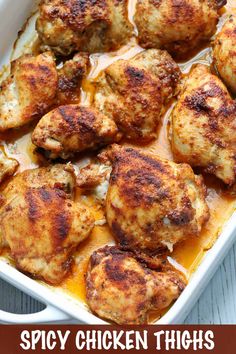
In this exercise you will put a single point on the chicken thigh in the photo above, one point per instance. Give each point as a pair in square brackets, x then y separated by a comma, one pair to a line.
[42, 223]
[178, 26]
[224, 53]
[122, 290]
[73, 128]
[29, 90]
[93, 25]
[135, 92]
[203, 125]
[153, 203]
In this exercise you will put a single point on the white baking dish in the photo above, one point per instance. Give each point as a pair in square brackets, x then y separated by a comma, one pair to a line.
[62, 307]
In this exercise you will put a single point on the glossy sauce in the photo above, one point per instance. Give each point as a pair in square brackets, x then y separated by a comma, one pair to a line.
[187, 255]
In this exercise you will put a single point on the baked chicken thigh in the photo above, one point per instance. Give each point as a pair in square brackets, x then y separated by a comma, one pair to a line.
[224, 53]
[123, 290]
[92, 25]
[29, 90]
[203, 125]
[73, 128]
[178, 26]
[153, 203]
[135, 92]
[41, 223]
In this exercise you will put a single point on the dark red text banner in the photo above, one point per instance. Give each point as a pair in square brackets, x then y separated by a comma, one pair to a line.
[132, 339]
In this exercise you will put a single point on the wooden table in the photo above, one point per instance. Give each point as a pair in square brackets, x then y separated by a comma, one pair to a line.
[217, 304]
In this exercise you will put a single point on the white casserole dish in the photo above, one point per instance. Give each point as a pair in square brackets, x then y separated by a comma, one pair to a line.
[62, 307]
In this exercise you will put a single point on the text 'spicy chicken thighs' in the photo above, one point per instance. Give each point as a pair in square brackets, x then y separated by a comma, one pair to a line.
[93, 25]
[134, 92]
[7, 166]
[203, 125]
[224, 53]
[152, 202]
[41, 223]
[122, 290]
[176, 25]
[73, 128]
[29, 90]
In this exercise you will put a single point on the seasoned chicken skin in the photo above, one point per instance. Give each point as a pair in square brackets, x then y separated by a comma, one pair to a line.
[203, 125]
[70, 77]
[92, 25]
[41, 222]
[7, 166]
[73, 128]
[178, 26]
[152, 202]
[224, 53]
[135, 92]
[122, 290]
[29, 90]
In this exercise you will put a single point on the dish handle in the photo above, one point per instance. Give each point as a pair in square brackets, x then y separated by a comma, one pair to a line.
[48, 315]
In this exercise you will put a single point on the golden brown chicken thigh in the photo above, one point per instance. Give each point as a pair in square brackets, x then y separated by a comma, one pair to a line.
[73, 128]
[178, 26]
[152, 202]
[41, 223]
[7, 166]
[122, 290]
[203, 125]
[93, 25]
[135, 92]
[224, 53]
[29, 90]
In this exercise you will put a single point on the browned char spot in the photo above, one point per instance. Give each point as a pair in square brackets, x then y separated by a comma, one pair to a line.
[61, 224]
[33, 210]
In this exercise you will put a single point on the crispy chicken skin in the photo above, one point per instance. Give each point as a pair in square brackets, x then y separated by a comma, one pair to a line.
[41, 222]
[122, 290]
[224, 53]
[152, 203]
[93, 25]
[70, 77]
[7, 166]
[73, 128]
[29, 90]
[134, 92]
[203, 125]
[178, 26]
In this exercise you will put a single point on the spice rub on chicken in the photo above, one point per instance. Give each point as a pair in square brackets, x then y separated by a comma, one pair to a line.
[178, 26]
[41, 222]
[70, 77]
[35, 85]
[92, 25]
[73, 128]
[135, 92]
[29, 90]
[124, 290]
[152, 202]
[224, 53]
[203, 125]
